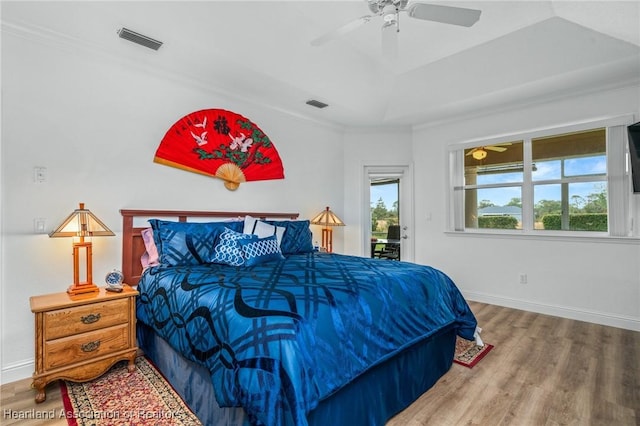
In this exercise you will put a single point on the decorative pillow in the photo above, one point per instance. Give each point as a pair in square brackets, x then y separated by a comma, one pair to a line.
[150, 257]
[297, 236]
[260, 250]
[262, 229]
[187, 243]
[228, 250]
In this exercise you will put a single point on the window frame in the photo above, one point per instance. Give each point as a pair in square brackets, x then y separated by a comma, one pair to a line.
[620, 212]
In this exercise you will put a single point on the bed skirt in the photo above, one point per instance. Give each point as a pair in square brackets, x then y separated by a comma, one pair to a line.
[370, 399]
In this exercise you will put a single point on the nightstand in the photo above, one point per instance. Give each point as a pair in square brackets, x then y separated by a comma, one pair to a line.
[78, 338]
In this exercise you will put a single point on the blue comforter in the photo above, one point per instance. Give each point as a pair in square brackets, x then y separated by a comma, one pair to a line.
[281, 336]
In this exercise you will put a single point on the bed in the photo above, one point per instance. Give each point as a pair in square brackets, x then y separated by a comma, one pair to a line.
[291, 337]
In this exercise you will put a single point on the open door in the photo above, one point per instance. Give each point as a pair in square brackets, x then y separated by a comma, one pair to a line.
[389, 206]
[385, 217]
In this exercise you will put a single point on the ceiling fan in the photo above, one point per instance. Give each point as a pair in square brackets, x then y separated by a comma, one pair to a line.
[480, 153]
[390, 11]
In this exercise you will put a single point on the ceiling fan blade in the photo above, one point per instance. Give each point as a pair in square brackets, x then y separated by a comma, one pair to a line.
[495, 148]
[340, 31]
[445, 14]
[471, 151]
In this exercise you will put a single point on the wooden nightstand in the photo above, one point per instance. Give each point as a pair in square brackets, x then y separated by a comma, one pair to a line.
[78, 338]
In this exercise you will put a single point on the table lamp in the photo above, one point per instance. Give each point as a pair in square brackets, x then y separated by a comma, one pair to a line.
[80, 224]
[327, 218]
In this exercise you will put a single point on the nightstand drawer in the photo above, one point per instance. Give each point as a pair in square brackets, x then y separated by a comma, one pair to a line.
[74, 349]
[70, 321]
[80, 336]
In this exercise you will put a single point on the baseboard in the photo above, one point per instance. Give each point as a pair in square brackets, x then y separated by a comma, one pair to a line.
[619, 321]
[17, 371]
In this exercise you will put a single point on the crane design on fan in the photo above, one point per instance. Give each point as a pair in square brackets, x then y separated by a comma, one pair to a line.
[480, 152]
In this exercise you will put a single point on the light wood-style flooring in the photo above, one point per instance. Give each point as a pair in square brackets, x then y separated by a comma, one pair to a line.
[543, 371]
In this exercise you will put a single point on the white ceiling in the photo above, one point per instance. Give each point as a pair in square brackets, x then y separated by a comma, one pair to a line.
[519, 52]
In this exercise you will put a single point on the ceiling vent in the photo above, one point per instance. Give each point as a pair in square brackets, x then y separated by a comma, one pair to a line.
[139, 39]
[317, 104]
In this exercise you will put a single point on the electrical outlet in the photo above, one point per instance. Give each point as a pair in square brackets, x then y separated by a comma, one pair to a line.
[523, 278]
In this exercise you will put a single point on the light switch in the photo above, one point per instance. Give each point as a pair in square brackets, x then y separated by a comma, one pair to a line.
[39, 225]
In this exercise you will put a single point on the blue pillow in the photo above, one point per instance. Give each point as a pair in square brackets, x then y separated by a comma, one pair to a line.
[228, 250]
[297, 236]
[260, 250]
[187, 243]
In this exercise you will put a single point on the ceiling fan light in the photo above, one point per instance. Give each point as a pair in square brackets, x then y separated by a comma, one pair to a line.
[479, 154]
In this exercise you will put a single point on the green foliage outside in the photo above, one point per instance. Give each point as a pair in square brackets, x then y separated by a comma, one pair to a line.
[585, 213]
[577, 222]
[382, 217]
[497, 222]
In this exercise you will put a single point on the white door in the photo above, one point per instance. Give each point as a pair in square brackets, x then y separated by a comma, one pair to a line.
[404, 176]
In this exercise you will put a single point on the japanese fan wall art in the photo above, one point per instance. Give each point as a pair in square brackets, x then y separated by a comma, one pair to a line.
[221, 144]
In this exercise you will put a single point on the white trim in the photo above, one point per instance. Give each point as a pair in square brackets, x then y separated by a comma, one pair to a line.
[63, 42]
[602, 318]
[621, 217]
[17, 371]
[594, 237]
[618, 182]
[576, 126]
[407, 193]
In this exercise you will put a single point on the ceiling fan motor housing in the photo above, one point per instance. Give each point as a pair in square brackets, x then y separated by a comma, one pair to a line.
[378, 6]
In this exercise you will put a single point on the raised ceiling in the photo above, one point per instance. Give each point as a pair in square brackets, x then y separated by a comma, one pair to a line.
[519, 52]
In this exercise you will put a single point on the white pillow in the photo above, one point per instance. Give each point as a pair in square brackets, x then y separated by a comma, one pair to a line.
[262, 229]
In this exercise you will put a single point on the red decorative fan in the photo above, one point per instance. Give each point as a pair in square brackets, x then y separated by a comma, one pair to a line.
[222, 144]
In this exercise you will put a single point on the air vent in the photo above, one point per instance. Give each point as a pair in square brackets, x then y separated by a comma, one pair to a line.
[139, 39]
[317, 104]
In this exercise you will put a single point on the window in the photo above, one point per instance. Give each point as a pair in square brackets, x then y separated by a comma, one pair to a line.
[572, 180]
[493, 178]
[569, 176]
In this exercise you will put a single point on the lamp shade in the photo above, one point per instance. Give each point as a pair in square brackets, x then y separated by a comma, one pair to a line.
[82, 223]
[327, 218]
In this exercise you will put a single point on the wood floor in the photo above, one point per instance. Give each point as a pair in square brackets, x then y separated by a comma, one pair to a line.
[543, 371]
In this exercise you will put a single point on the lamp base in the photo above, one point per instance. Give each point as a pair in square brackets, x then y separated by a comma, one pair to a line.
[75, 289]
[327, 239]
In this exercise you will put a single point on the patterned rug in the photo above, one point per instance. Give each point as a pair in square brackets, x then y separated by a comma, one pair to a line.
[118, 397]
[468, 353]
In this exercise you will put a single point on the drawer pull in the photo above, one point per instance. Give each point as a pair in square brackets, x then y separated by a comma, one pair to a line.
[90, 319]
[91, 346]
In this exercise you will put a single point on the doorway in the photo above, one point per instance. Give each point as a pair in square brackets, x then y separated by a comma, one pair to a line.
[385, 217]
[388, 206]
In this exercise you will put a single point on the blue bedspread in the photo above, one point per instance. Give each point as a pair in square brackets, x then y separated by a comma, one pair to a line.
[281, 336]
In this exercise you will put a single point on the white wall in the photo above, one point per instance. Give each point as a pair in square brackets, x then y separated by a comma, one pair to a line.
[587, 280]
[95, 124]
[373, 147]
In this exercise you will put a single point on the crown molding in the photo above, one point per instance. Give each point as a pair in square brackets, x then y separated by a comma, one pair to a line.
[56, 40]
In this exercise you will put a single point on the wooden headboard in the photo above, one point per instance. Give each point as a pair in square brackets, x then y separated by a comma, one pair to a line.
[133, 246]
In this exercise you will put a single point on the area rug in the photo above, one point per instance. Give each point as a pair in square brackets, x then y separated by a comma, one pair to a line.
[118, 397]
[468, 353]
